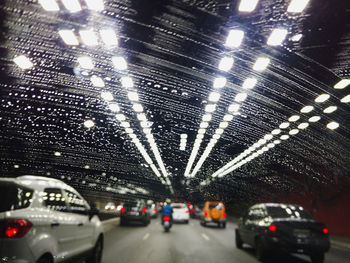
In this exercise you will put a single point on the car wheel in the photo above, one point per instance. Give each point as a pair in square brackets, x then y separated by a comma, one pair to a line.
[239, 242]
[219, 225]
[186, 221]
[260, 250]
[96, 257]
[317, 258]
[45, 259]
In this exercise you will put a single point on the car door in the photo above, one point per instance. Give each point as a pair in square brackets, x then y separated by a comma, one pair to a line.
[248, 227]
[243, 228]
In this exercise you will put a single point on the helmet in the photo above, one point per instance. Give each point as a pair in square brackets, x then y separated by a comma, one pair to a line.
[167, 201]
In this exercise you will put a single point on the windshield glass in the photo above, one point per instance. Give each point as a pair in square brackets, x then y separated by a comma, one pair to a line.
[287, 212]
[14, 197]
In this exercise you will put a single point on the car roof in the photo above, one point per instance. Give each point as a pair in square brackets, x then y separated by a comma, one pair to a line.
[273, 205]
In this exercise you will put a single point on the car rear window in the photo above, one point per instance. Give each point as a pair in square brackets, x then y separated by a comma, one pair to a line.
[14, 197]
[288, 212]
[215, 205]
[179, 206]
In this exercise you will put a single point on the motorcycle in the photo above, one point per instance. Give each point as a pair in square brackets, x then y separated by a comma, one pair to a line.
[166, 223]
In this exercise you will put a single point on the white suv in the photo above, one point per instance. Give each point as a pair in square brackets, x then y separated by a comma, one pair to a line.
[44, 220]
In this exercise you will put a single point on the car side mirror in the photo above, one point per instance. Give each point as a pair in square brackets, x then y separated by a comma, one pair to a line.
[92, 212]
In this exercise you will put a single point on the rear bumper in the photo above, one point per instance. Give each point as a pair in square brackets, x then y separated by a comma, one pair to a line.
[15, 251]
[134, 218]
[211, 220]
[181, 218]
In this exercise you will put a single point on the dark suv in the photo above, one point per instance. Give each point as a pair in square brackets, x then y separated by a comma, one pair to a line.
[271, 227]
[135, 212]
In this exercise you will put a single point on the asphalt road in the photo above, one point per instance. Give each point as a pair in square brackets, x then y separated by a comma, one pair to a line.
[188, 243]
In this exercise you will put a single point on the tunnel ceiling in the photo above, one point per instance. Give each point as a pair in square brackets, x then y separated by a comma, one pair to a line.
[172, 51]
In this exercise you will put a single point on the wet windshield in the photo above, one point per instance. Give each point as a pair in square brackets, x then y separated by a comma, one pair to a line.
[287, 212]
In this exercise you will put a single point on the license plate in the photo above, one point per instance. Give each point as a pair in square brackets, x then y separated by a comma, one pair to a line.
[301, 233]
[133, 213]
[166, 223]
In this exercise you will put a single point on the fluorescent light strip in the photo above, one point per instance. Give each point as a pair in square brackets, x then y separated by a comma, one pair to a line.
[49, 5]
[277, 36]
[96, 5]
[68, 37]
[72, 5]
[297, 6]
[247, 5]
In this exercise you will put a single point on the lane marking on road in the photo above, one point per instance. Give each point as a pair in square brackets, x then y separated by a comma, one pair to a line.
[146, 236]
[205, 236]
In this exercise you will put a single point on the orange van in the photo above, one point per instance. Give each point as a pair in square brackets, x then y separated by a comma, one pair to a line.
[213, 212]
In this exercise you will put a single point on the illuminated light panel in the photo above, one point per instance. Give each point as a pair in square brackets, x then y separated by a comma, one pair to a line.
[333, 125]
[342, 84]
[233, 108]
[247, 5]
[125, 124]
[141, 117]
[346, 99]
[219, 131]
[219, 82]
[72, 5]
[204, 125]
[137, 107]
[277, 37]
[210, 107]
[226, 64]
[297, 6]
[241, 97]
[284, 125]
[87, 166]
[249, 83]
[216, 136]
[322, 98]
[114, 107]
[261, 64]
[296, 37]
[183, 136]
[127, 82]
[57, 154]
[293, 131]
[223, 124]
[268, 137]
[129, 130]
[107, 96]
[276, 132]
[228, 117]
[97, 81]
[68, 37]
[200, 136]
[23, 62]
[314, 119]
[109, 37]
[119, 63]
[88, 37]
[284, 137]
[276, 141]
[120, 117]
[214, 97]
[330, 109]
[49, 5]
[201, 131]
[85, 62]
[294, 118]
[133, 96]
[234, 38]
[89, 124]
[96, 5]
[307, 109]
[206, 117]
[303, 125]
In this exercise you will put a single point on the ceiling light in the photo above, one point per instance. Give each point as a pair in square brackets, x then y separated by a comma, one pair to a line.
[141, 117]
[120, 117]
[57, 154]
[119, 63]
[322, 98]
[109, 37]
[85, 62]
[306, 109]
[216, 136]
[214, 96]
[249, 83]
[333, 125]
[268, 137]
[277, 36]
[276, 141]
[87, 166]
[303, 125]
[270, 145]
[137, 107]
[234, 38]
[200, 136]
[228, 117]
[89, 124]
[206, 117]
[296, 37]
[314, 119]
[133, 96]
[219, 82]
[182, 148]
[97, 81]
[223, 124]
[284, 137]
[146, 130]
[241, 97]
[346, 99]
[284, 125]
[114, 107]
[125, 124]
[72, 5]
[330, 109]
[293, 131]
[247, 5]
[183, 136]
[96, 5]
[260, 152]
[145, 124]
[219, 131]
[107, 96]
[342, 84]
[204, 125]
[226, 64]
[294, 118]
[261, 64]
[127, 82]
[68, 37]
[297, 6]
[210, 107]
[88, 37]
[49, 5]
[201, 131]
[276, 132]
[129, 130]
[23, 62]
[261, 142]
[132, 136]
[233, 108]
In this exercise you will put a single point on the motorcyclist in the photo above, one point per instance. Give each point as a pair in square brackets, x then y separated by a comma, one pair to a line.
[167, 210]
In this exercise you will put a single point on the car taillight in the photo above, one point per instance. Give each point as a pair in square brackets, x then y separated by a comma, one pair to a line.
[186, 212]
[325, 230]
[123, 210]
[272, 228]
[193, 210]
[166, 218]
[144, 210]
[205, 214]
[154, 210]
[224, 214]
[15, 228]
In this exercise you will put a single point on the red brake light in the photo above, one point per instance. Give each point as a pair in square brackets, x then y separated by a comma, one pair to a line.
[166, 218]
[144, 210]
[272, 228]
[224, 214]
[325, 230]
[193, 210]
[205, 214]
[123, 210]
[154, 210]
[16, 228]
[186, 211]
